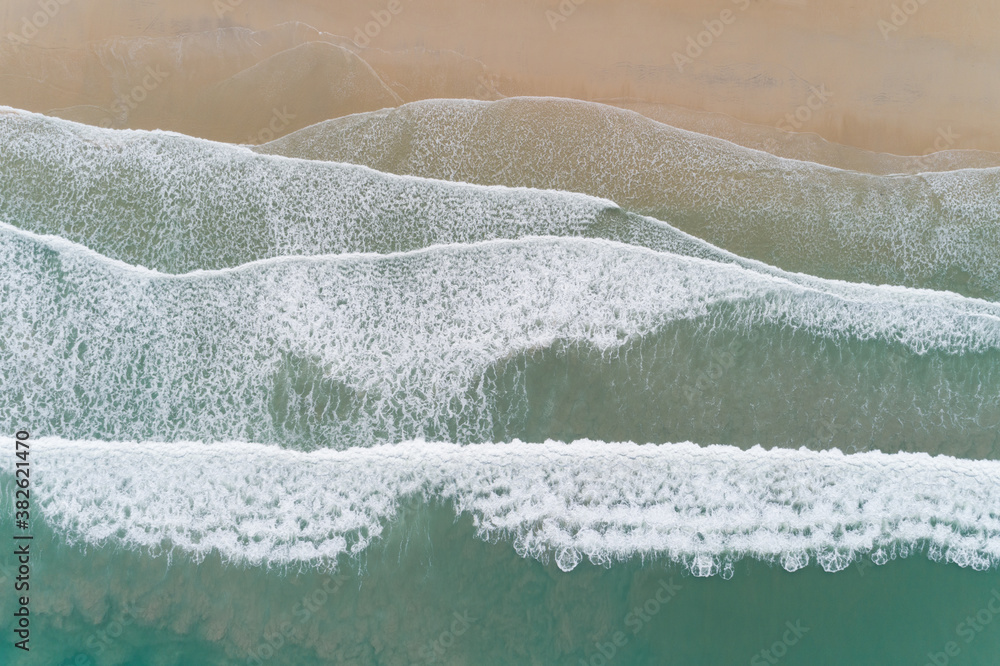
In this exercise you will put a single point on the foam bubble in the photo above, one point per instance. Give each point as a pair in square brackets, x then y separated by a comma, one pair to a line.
[701, 506]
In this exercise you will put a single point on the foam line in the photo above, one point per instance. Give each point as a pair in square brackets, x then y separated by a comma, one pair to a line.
[934, 230]
[366, 349]
[178, 204]
[705, 507]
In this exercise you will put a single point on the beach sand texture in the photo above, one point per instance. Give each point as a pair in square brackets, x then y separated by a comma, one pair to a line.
[905, 78]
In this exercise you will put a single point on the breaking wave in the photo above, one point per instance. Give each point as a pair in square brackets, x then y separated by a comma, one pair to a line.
[449, 342]
[704, 507]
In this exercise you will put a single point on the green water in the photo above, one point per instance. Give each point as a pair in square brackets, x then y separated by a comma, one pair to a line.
[934, 230]
[433, 593]
[469, 328]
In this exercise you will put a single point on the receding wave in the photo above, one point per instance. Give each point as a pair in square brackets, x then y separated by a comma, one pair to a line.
[810, 147]
[440, 344]
[178, 204]
[934, 230]
[705, 507]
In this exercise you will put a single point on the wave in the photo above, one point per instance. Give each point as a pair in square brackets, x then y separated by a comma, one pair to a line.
[194, 94]
[810, 147]
[177, 204]
[933, 230]
[705, 507]
[439, 343]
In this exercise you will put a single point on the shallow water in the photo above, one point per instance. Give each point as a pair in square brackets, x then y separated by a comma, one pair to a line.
[934, 230]
[462, 415]
[535, 339]
[397, 604]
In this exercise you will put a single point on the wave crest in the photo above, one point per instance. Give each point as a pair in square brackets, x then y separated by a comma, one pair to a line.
[704, 507]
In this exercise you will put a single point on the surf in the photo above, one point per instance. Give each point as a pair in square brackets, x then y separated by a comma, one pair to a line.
[704, 507]
[459, 341]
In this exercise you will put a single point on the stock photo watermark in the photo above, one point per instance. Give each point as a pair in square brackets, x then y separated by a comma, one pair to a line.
[22, 540]
[223, 7]
[968, 629]
[435, 649]
[636, 620]
[824, 434]
[32, 25]
[381, 18]
[486, 87]
[272, 641]
[566, 9]
[281, 119]
[699, 43]
[944, 140]
[794, 121]
[138, 94]
[899, 16]
[779, 648]
[302, 612]
[863, 564]
[101, 640]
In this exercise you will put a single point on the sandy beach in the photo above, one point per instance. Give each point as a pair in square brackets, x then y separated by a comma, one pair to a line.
[591, 332]
[863, 73]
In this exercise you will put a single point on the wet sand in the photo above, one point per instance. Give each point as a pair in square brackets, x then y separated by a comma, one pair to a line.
[852, 79]
[811, 147]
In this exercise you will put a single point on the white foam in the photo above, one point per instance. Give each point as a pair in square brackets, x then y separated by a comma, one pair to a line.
[177, 204]
[705, 507]
[365, 349]
[933, 230]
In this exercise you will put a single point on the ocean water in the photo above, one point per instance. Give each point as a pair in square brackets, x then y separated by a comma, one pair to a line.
[925, 229]
[291, 409]
[431, 592]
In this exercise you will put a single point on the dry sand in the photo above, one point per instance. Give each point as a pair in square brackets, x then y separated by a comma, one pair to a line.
[911, 84]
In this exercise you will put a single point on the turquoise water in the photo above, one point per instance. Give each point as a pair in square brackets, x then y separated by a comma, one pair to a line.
[392, 605]
[294, 411]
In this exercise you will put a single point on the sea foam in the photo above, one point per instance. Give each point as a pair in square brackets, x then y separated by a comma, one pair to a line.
[705, 507]
[935, 230]
[368, 349]
[177, 204]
